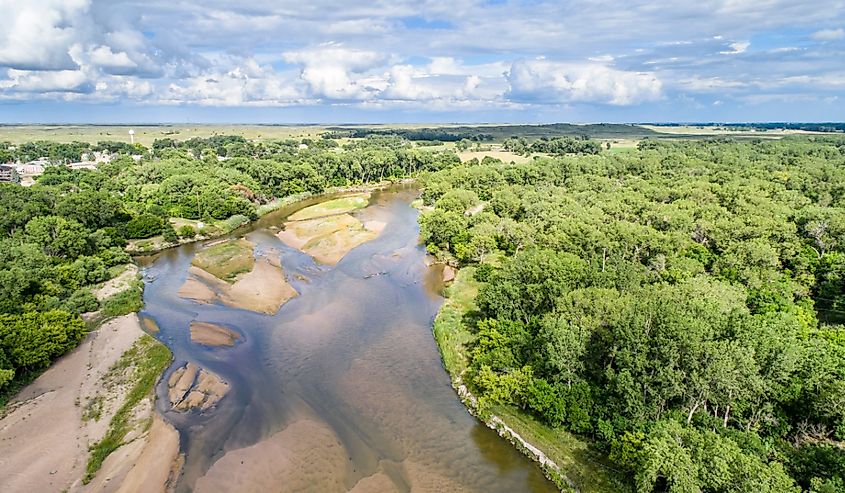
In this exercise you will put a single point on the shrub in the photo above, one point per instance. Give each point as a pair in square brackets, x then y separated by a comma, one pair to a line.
[187, 231]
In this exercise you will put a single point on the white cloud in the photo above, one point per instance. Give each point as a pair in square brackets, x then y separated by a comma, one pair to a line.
[38, 33]
[32, 81]
[737, 48]
[542, 81]
[829, 34]
[333, 71]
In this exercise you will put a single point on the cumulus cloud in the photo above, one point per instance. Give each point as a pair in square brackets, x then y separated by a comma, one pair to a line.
[334, 71]
[542, 80]
[427, 56]
[39, 33]
[737, 48]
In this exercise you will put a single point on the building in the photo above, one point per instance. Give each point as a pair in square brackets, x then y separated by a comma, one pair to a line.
[8, 174]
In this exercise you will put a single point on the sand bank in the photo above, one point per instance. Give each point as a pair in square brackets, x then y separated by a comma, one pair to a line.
[264, 289]
[329, 239]
[191, 387]
[340, 205]
[210, 334]
[305, 456]
[44, 439]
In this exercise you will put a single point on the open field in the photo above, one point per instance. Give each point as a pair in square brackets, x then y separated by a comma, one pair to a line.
[146, 134]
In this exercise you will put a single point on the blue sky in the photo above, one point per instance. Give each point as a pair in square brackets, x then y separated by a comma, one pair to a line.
[127, 61]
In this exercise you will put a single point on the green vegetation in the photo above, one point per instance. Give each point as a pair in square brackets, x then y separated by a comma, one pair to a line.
[335, 206]
[139, 368]
[226, 260]
[679, 306]
[123, 303]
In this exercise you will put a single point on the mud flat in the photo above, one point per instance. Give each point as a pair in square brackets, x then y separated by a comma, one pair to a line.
[263, 289]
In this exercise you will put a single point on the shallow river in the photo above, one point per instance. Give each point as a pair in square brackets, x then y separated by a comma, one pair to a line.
[342, 388]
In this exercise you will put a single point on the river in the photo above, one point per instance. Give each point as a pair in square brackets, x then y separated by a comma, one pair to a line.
[342, 388]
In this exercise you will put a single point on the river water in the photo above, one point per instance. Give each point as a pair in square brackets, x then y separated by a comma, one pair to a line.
[342, 388]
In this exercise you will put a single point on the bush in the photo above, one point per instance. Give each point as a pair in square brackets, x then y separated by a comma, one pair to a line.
[234, 222]
[81, 301]
[187, 231]
[124, 302]
[144, 226]
[169, 234]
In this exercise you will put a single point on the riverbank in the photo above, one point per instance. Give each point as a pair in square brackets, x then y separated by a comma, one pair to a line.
[569, 461]
[157, 244]
[94, 395]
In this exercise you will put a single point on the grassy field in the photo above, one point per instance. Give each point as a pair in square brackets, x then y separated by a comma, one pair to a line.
[146, 134]
[331, 207]
[226, 260]
[578, 460]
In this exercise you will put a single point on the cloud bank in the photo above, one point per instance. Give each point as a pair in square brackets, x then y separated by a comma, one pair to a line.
[485, 60]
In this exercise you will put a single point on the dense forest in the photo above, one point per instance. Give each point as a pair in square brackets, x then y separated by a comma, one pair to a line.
[681, 304]
[67, 232]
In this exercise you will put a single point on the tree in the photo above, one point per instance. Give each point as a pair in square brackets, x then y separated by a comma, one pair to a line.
[58, 237]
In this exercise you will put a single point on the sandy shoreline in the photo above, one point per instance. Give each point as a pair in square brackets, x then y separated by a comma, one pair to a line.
[46, 430]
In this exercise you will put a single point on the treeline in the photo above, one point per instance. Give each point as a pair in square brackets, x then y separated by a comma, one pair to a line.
[61, 152]
[423, 134]
[558, 146]
[666, 303]
[55, 243]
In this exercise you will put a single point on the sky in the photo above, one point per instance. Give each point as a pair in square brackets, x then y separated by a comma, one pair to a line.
[407, 61]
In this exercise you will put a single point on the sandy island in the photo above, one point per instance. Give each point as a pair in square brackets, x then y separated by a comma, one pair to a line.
[191, 387]
[329, 239]
[44, 437]
[209, 334]
[262, 289]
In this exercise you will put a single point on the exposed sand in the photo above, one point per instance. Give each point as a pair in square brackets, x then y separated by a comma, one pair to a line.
[148, 464]
[449, 273]
[43, 438]
[150, 325]
[329, 239]
[212, 335]
[192, 387]
[264, 289]
[118, 284]
[305, 456]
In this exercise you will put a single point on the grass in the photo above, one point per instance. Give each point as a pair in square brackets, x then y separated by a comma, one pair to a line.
[331, 207]
[577, 458]
[146, 134]
[144, 362]
[450, 333]
[123, 303]
[226, 260]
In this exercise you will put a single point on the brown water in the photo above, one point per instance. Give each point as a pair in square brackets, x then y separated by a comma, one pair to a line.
[342, 388]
